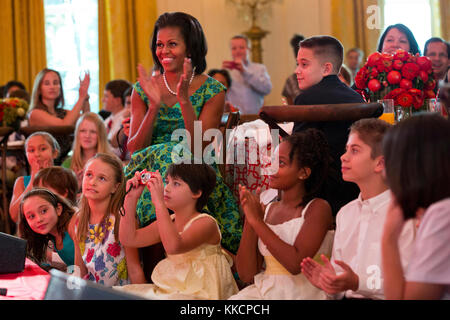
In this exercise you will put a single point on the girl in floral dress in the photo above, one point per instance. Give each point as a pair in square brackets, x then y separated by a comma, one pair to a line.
[99, 255]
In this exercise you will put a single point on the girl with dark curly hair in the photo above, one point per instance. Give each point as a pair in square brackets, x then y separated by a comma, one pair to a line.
[288, 230]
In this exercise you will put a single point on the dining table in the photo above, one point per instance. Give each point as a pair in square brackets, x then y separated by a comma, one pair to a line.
[30, 284]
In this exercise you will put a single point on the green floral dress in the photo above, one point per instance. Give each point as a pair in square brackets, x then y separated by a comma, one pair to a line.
[158, 156]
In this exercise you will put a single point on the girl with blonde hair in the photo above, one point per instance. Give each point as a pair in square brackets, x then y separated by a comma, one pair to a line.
[99, 255]
[90, 139]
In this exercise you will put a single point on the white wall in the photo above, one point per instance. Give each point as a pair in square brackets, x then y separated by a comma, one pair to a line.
[220, 22]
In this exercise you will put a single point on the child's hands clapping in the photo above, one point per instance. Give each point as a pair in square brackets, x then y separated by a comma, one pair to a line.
[250, 203]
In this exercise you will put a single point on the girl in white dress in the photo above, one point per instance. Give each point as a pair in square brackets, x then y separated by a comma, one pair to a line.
[195, 267]
[288, 230]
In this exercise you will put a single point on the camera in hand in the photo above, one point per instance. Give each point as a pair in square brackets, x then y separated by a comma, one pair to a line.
[231, 65]
[145, 176]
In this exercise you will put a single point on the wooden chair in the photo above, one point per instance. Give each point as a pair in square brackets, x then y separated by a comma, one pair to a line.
[53, 130]
[229, 120]
[319, 113]
[248, 118]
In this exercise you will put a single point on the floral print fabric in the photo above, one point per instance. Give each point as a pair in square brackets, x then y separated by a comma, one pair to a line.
[103, 256]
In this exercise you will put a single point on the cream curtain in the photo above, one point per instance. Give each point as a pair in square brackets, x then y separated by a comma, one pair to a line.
[22, 39]
[125, 27]
[357, 23]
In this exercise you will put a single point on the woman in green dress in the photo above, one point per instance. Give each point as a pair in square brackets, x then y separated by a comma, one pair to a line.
[175, 96]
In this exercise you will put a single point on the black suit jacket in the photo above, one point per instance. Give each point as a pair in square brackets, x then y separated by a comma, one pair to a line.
[331, 90]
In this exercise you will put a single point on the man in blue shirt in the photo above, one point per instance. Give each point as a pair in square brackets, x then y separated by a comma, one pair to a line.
[251, 82]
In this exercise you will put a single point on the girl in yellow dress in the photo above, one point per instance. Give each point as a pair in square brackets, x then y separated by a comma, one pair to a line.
[195, 267]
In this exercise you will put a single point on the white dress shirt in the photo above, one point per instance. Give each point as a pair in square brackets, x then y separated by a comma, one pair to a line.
[430, 261]
[357, 242]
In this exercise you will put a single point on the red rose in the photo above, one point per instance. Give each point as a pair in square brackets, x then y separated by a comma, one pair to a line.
[385, 63]
[361, 78]
[394, 77]
[430, 94]
[397, 64]
[404, 100]
[89, 255]
[113, 249]
[374, 73]
[410, 70]
[424, 63]
[423, 75]
[414, 92]
[406, 84]
[393, 94]
[360, 83]
[401, 55]
[374, 85]
[373, 59]
[411, 59]
[430, 84]
[417, 101]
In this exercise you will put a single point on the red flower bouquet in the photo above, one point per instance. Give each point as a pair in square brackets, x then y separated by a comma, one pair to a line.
[406, 78]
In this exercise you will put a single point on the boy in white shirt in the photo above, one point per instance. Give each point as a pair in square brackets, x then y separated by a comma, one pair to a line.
[355, 267]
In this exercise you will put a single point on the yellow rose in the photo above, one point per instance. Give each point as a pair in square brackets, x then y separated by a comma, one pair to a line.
[20, 112]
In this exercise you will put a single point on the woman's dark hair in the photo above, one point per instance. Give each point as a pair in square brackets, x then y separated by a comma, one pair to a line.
[413, 46]
[192, 33]
[309, 148]
[37, 243]
[223, 72]
[199, 177]
[417, 162]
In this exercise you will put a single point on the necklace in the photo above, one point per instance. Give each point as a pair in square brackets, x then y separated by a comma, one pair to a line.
[167, 85]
